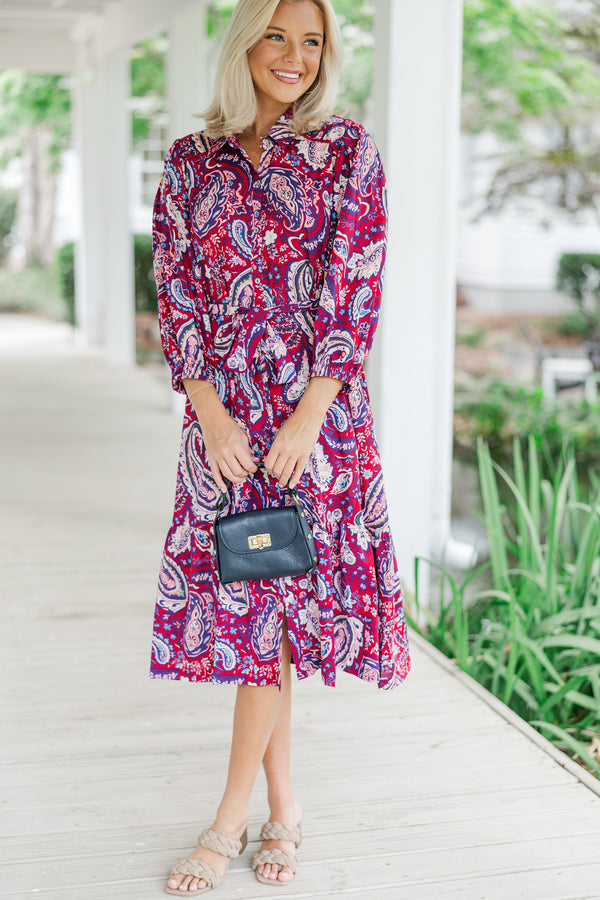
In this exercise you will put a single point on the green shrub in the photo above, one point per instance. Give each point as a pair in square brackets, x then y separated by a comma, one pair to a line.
[578, 275]
[574, 325]
[500, 411]
[472, 339]
[530, 632]
[32, 290]
[65, 273]
[8, 213]
[145, 287]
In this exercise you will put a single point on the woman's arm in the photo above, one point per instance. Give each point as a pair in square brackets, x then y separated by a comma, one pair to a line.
[348, 307]
[297, 437]
[182, 309]
[227, 444]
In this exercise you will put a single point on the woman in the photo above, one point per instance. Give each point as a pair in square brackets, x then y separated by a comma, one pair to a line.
[269, 240]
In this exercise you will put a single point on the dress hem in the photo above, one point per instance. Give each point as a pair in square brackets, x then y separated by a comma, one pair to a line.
[386, 685]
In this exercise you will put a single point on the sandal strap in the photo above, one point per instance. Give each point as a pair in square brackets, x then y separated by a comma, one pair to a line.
[198, 869]
[276, 831]
[277, 858]
[220, 843]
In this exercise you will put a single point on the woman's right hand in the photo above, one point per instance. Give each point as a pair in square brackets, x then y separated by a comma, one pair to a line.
[227, 445]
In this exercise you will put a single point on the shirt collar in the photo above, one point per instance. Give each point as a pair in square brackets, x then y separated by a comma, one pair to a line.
[280, 131]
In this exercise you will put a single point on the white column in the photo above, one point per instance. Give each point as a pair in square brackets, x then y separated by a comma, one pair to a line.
[104, 260]
[119, 279]
[190, 66]
[90, 254]
[189, 70]
[419, 53]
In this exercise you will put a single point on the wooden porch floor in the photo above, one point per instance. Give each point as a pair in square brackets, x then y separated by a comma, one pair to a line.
[434, 790]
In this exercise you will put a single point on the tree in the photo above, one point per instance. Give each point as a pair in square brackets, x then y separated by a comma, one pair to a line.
[148, 85]
[35, 125]
[528, 63]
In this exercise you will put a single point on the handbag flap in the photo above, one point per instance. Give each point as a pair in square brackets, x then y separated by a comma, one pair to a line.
[279, 523]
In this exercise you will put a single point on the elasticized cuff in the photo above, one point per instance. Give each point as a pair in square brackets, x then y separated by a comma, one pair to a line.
[199, 370]
[345, 372]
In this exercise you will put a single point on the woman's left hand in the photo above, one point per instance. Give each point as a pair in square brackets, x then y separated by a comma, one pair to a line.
[297, 437]
[292, 446]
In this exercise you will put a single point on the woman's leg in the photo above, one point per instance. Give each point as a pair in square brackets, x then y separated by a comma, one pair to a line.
[283, 805]
[256, 712]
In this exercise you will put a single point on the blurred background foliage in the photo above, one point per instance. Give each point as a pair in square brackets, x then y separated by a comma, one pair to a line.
[28, 101]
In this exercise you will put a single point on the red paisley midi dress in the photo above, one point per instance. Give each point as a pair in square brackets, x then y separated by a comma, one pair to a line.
[267, 278]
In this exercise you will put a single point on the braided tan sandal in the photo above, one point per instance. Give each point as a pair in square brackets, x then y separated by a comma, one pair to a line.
[197, 868]
[275, 831]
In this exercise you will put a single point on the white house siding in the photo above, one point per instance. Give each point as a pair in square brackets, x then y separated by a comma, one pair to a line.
[67, 221]
[506, 263]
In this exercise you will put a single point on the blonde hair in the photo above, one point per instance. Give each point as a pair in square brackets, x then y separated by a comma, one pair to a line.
[234, 107]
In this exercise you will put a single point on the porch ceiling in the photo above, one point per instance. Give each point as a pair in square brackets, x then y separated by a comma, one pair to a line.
[41, 35]
[38, 35]
[55, 14]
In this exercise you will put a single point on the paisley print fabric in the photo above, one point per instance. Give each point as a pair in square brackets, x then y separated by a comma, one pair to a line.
[265, 279]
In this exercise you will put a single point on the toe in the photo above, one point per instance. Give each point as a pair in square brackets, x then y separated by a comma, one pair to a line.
[285, 874]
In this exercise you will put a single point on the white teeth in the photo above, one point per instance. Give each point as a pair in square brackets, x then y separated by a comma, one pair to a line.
[287, 75]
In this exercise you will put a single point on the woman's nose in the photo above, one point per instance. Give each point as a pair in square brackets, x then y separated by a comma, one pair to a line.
[292, 52]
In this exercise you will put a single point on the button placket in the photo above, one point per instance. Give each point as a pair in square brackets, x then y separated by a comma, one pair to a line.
[257, 239]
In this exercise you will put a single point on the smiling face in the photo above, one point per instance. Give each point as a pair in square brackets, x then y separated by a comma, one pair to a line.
[285, 61]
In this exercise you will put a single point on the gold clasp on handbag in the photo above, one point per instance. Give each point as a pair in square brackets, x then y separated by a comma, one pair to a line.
[258, 541]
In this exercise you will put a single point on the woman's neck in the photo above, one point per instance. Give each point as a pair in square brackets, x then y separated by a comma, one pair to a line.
[264, 121]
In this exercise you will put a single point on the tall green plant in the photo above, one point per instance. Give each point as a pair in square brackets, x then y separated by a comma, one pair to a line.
[578, 275]
[526, 624]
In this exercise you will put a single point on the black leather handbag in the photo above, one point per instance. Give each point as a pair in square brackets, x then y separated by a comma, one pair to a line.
[264, 543]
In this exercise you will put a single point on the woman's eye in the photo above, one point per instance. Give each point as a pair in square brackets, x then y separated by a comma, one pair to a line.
[275, 37]
[312, 42]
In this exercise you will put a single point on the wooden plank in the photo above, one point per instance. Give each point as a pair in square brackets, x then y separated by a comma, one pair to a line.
[324, 874]
[406, 812]
[148, 761]
[586, 777]
[416, 819]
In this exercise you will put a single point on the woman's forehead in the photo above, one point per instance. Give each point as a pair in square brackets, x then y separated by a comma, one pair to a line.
[299, 12]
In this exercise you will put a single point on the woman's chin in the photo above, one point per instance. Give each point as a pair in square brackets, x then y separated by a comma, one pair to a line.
[284, 94]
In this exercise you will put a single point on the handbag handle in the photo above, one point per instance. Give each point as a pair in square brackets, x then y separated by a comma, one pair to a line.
[223, 499]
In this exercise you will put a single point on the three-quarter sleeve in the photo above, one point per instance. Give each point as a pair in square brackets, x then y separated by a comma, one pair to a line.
[182, 312]
[349, 304]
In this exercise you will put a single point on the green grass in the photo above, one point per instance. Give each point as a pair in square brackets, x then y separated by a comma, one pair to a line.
[526, 624]
[474, 338]
[32, 290]
[574, 325]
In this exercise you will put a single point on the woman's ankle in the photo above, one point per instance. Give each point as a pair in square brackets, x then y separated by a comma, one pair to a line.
[285, 808]
[231, 819]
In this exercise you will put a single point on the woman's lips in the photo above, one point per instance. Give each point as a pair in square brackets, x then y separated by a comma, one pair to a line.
[287, 77]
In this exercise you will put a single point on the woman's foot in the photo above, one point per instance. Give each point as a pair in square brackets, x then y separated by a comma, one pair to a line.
[288, 813]
[189, 884]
